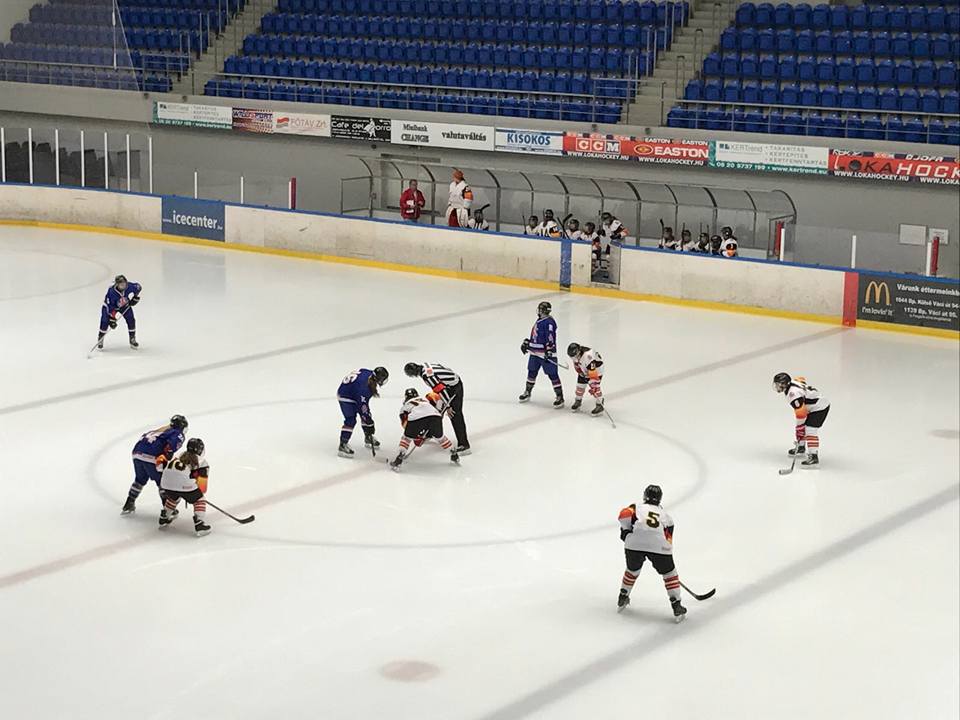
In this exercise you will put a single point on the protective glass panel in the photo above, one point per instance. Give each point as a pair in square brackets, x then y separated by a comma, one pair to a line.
[16, 155]
[69, 154]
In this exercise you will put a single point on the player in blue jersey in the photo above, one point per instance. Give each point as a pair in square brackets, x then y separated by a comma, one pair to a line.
[542, 347]
[354, 396]
[150, 454]
[120, 299]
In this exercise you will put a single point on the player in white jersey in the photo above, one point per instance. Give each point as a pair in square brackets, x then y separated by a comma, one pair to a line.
[647, 534]
[549, 227]
[810, 410]
[573, 229]
[185, 477]
[421, 421]
[589, 367]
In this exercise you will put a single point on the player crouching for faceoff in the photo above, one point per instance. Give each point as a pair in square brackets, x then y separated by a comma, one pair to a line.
[354, 395]
[185, 478]
[120, 299]
[810, 409]
[589, 367]
[647, 534]
[151, 452]
[542, 346]
[421, 421]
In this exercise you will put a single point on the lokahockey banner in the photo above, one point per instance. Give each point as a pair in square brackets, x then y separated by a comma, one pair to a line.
[190, 115]
[192, 218]
[435, 134]
[622, 147]
[899, 167]
[764, 157]
[920, 301]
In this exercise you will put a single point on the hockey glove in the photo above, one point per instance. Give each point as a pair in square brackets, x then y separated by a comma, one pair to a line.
[112, 322]
[801, 434]
[134, 300]
[525, 346]
[550, 355]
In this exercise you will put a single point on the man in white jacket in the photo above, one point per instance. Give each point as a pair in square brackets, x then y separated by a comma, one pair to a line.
[460, 200]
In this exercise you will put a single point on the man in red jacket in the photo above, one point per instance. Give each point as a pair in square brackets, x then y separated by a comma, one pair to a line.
[411, 202]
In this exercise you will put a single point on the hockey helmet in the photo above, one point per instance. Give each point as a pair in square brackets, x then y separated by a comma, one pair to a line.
[547, 214]
[574, 350]
[726, 231]
[120, 280]
[412, 369]
[195, 446]
[179, 422]
[652, 495]
[410, 394]
[533, 221]
[606, 216]
[573, 225]
[380, 375]
[781, 381]
[544, 309]
[589, 228]
[685, 234]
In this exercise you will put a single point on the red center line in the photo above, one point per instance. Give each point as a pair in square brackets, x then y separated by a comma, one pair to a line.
[116, 547]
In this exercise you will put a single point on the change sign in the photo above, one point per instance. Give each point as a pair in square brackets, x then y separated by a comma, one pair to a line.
[920, 301]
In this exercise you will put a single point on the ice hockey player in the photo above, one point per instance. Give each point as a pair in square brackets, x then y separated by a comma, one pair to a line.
[150, 453]
[533, 222]
[728, 242]
[715, 242]
[354, 396]
[119, 300]
[647, 534]
[542, 346]
[810, 410]
[687, 243]
[573, 229]
[448, 386]
[611, 228]
[703, 244]
[589, 367]
[421, 421]
[549, 227]
[476, 221]
[460, 200]
[668, 241]
[185, 478]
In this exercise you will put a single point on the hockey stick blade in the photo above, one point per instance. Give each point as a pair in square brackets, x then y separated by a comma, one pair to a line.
[610, 418]
[242, 521]
[705, 596]
[793, 463]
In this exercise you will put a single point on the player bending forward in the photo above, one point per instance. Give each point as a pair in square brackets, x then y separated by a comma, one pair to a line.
[151, 452]
[810, 410]
[354, 396]
[119, 300]
[185, 478]
[421, 421]
[589, 367]
[647, 534]
[542, 346]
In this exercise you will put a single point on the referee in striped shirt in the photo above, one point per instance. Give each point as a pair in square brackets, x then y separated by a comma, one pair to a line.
[448, 385]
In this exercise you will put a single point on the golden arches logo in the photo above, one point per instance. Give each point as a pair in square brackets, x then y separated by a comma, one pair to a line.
[877, 288]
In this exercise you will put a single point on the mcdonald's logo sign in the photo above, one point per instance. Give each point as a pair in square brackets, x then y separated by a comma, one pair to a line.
[878, 289]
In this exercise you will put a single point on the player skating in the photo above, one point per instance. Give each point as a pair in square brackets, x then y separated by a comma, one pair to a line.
[449, 387]
[185, 478]
[421, 421]
[589, 367]
[542, 346]
[647, 534]
[810, 410]
[150, 453]
[119, 300]
[354, 396]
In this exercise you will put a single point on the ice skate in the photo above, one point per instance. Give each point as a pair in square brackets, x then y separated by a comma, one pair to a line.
[129, 507]
[463, 450]
[525, 396]
[345, 451]
[396, 463]
[622, 601]
[200, 528]
[798, 450]
[133, 341]
[679, 611]
[371, 442]
[454, 457]
[100, 341]
[576, 405]
[812, 462]
[165, 520]
[558, 402]
[598, 410]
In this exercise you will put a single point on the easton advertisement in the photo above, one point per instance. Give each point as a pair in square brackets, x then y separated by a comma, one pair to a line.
[622, 147]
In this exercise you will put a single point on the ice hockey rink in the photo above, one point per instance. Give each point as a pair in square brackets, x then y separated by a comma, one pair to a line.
[480, 592]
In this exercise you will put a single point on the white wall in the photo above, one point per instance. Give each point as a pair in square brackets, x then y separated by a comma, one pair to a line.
[80, 207]
[12, 12]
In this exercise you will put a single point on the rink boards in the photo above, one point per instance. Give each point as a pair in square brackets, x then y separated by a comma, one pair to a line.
[831, 295]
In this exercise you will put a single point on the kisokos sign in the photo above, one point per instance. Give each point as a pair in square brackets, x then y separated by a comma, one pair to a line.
[929, 169]
[622, 147]
[920, 301]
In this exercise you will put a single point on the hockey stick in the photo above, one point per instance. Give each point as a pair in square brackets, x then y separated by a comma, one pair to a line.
[705, 596]
[793, 462]
[242, 521]
[563, 227]
[610, 418]
[555, 362]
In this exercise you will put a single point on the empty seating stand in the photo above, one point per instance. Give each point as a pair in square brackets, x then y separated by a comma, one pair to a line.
[871, 71]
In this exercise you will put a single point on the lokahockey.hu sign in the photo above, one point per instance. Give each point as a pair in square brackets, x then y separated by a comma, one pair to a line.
[764, 157]
[192, 218]
[899, 167]
[920, 301]
[190, 115]
[622, 147]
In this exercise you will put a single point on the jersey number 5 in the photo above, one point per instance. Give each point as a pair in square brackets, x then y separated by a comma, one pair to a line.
[653, 519]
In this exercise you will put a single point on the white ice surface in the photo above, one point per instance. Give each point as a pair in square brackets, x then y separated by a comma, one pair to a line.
[837, 590]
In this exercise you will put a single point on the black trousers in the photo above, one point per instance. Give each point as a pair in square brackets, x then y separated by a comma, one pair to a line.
[190, 496]
[459, 424]
[426, 428]
[816, 419]
[663, 564]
